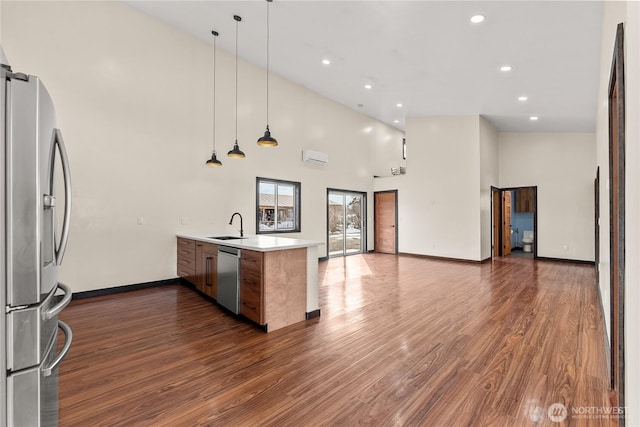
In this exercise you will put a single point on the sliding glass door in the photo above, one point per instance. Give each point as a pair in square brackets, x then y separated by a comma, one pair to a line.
[346, 217]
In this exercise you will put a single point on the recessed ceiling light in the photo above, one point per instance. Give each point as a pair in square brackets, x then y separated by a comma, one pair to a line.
[326, 61]
[533, 118]
[368, 86]
[360, 105]
[522, 98]
[396, 121]
[399, 105]
[505, 68]
[476, 19]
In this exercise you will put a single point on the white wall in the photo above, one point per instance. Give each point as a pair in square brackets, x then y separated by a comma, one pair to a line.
[134, 101]
[385, 153]
[563, 167]
[489, 177]
[439, 197]
[444, 201]
[629, 14]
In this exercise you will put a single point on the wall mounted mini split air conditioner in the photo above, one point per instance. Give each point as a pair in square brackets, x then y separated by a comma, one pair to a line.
[315, 157]
[398, 171]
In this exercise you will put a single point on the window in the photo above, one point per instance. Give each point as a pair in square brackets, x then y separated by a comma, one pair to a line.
[278, 206]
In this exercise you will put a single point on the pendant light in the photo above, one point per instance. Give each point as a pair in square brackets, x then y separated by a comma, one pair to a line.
[235, 152]
[267, 140]
[213, 161]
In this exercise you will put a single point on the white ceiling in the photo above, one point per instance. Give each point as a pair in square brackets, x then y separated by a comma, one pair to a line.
[426, 55]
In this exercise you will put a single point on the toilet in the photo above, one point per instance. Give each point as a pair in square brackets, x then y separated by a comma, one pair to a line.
[527, 241]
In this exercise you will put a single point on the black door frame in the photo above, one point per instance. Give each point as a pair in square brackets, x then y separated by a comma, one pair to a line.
[617, 146]
[363, 241]
[596, 223]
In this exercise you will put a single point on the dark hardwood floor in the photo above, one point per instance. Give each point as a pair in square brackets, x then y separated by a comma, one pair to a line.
[401, 341]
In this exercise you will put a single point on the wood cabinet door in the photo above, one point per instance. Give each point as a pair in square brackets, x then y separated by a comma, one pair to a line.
[210, 273]
[251, 286]
[199, 276]
[186, 259]
[206, 277]
[525, 201]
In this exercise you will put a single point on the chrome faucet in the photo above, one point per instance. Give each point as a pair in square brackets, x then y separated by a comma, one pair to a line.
[231, 222]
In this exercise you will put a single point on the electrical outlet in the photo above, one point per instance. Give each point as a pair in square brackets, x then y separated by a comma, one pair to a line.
[140, 220]
[565, 247]
[184, 220]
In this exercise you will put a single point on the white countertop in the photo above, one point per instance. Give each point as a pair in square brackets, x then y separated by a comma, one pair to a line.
[253, 242]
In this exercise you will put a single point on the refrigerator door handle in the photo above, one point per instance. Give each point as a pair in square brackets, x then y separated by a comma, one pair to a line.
[53, 311]
[59, 142]
[68, 337]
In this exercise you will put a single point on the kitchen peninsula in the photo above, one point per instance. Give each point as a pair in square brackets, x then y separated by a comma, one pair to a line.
[277, 277]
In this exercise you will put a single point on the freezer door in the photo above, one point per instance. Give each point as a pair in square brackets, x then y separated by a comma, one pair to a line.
[3, 265]
[30, 146]
[31, 329]
[32, 394]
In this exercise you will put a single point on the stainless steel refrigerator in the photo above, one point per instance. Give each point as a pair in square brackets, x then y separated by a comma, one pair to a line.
[35, 197]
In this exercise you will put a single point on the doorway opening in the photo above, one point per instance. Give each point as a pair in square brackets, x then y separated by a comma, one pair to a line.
[514, 222]
[346, 222]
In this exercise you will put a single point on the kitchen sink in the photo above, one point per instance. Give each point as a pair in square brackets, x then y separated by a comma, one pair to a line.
[226, 237]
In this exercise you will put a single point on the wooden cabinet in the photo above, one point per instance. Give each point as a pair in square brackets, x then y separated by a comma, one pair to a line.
[273, 284]
[186, 267]
[251, 285]
[206, 279]
[273, 287]
[197, 263]
[525, 201]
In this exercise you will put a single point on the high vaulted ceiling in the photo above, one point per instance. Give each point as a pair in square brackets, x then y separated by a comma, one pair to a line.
[426, 55]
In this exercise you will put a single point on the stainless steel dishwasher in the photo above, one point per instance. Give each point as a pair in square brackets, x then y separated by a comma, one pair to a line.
[228, 277]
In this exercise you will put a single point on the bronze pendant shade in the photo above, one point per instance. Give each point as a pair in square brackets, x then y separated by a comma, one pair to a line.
[267, 140]
[236, 153]
[213, 161]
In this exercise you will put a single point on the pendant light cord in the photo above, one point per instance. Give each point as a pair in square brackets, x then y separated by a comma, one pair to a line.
[268, 33]
[214, 89]
[237, 22]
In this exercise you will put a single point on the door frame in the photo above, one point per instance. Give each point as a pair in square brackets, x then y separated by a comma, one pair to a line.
[596, 223]
[363, 238]
[616, 101]
[500, 236]
[375, 219]
[496, 218]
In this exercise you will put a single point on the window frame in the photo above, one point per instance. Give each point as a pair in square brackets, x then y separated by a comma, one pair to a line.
[296, 205]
